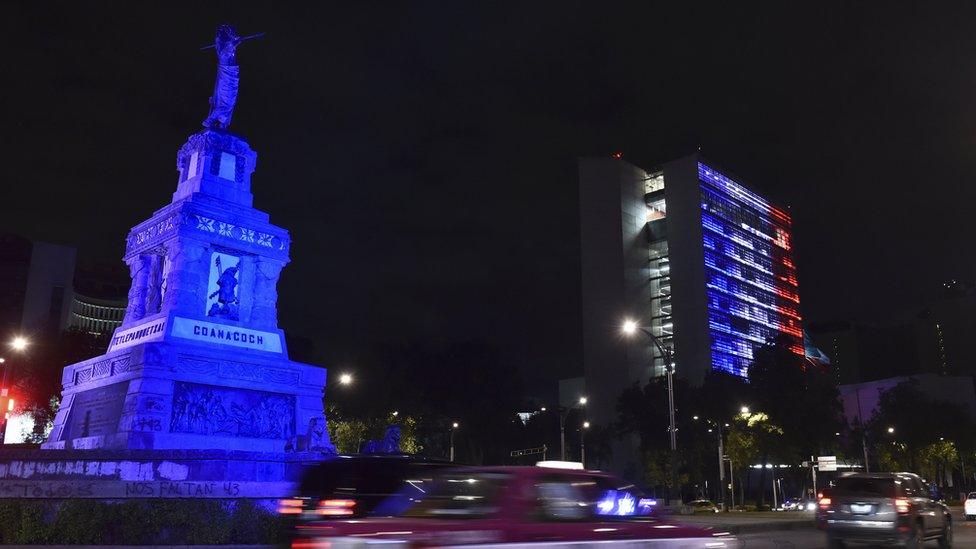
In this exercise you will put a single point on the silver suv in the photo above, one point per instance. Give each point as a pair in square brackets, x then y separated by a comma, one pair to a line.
[883, 508]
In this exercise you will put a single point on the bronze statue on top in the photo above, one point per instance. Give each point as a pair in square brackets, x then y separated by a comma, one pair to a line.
[228, 77]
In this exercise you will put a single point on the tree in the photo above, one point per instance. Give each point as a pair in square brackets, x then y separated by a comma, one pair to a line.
[800, 398]
[913, 431]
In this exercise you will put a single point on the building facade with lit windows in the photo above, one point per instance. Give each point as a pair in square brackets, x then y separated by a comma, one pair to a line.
[96, 316]
[691, 254]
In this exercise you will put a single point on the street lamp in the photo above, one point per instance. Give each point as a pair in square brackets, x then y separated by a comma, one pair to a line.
[563, 412]
[19, 343]
[721, 457]
[345, 379]
[583, 428]
[454, 427]
[891, 430]
[744, 410]
[630, 327]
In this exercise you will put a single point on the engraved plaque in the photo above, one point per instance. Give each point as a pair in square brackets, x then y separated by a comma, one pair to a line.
[96, 411]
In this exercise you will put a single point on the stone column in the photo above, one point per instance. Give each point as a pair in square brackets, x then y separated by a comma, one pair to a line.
[139, 272]
[264, 311]
[186, 277]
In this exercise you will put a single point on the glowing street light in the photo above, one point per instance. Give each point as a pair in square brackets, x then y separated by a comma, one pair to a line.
[744, 410]
[582, 401]
[345, 379]
[630, 327]
[891, 430]
[19, 343]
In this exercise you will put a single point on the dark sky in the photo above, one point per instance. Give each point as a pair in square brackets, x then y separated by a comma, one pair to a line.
[422, 154]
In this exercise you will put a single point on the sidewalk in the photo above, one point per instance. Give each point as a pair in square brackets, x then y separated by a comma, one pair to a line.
[745, 522]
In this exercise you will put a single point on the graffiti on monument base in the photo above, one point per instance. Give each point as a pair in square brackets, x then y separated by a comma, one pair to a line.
[223, 411]
[114, 489]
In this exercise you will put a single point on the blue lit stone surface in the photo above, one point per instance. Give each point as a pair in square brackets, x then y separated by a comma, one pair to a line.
[199, 361]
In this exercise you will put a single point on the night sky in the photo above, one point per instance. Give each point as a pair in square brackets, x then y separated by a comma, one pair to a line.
[423, 154]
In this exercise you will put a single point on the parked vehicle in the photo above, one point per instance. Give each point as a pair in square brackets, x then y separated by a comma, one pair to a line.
[969, 507]
[703, 506]
[514, 505]
[884, 508]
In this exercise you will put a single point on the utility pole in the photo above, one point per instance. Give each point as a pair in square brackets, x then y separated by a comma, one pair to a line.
[813, 473]
[774, 490]
[732, 482]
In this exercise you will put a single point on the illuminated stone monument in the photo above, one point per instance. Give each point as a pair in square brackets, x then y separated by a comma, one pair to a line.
[199, 361]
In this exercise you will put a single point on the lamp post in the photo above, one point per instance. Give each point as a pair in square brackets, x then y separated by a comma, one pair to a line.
[630, 327]
[563, 412]
[717, 429]
[454, 427]
[583, 428]
[345, 378]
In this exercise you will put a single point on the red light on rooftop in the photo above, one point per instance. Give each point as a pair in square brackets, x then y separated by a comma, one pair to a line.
[617, 155]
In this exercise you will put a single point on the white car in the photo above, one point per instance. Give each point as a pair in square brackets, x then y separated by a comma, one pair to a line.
[970, 506]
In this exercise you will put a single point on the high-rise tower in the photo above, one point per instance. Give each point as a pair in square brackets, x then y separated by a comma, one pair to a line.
[697, 258]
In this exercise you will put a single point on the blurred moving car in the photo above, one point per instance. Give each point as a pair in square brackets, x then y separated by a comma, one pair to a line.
[543, 506]
[884, 508]
[969, 506]
[355, 485]
[703, 506]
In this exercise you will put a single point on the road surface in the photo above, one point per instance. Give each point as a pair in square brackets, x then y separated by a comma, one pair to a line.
[811, 538]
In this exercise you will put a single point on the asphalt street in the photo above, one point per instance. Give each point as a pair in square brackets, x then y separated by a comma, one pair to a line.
[811, 538]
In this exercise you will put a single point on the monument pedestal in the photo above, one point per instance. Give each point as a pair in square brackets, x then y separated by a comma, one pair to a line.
[180, 393]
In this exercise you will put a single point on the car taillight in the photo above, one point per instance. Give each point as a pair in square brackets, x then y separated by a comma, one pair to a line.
[336, 507]
[902, 505]
[824, 503]
[310, 544]
[290, 506]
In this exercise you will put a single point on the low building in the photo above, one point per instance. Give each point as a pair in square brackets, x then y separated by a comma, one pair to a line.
[861, 400]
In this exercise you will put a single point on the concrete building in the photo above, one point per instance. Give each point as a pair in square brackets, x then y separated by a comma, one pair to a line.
[698, 259]
[35, 286]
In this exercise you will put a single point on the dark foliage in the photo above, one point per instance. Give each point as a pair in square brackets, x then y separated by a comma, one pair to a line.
[136, 522]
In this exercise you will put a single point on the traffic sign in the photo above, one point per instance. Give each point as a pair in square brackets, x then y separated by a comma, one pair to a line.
[827, 463]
